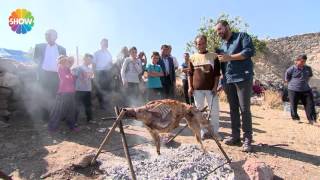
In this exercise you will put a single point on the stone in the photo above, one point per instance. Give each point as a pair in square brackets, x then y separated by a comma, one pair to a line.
[257, 170]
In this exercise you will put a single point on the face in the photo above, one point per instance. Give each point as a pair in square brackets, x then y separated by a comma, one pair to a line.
[63, 61]
[164, 51]
[201, 44]
[51, 37]
[125, 51]
[133, 53]
[222, 31]
[186, 56]
[104, 44]
[141, 55]
[300, 62]
[155, 59]
[70, 62]
[87, 60]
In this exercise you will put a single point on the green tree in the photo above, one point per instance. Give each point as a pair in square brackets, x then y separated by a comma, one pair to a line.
[236, 25]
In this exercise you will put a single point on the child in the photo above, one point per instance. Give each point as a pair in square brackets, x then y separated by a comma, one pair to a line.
[154, 73]
[64, 107]
[83, 76]
[130, 72]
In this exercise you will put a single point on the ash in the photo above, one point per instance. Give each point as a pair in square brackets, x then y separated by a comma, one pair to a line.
[185, 162]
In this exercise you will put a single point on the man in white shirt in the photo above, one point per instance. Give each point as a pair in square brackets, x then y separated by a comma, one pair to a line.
[102, 64]
[45, 55]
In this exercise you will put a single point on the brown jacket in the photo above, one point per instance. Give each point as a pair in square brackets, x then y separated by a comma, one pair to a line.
[203, 70]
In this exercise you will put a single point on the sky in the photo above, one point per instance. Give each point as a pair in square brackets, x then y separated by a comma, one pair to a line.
[147, 24]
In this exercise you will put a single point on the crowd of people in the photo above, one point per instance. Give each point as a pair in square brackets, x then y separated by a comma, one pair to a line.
[203, 73]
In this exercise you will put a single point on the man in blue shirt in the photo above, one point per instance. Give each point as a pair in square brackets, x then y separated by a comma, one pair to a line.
[237, 68]
[297, 76]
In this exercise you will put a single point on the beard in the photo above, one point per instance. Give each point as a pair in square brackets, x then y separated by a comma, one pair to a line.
[223, 35]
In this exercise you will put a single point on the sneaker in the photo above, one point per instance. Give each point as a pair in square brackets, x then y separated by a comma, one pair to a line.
[231, 141]
[247, 147]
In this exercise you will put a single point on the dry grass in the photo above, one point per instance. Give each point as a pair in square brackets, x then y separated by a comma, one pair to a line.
[272, 100]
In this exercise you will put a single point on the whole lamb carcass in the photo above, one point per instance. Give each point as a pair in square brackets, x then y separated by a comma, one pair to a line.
[162, 116]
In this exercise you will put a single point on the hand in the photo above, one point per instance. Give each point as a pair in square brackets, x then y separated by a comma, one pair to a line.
[214, 91]
[125, 84]
[89, 74]
[224, 58]
[190, 91]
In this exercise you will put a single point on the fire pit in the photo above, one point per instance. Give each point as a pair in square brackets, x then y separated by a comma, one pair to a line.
[185, 162]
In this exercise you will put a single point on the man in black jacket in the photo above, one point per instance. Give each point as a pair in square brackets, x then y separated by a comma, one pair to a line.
[169, 79]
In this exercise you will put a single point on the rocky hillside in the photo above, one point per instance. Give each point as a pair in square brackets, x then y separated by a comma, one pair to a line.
[280, 54]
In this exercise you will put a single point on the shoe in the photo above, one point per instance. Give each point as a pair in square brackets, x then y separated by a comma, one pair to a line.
[247, 147]
[52, 131]
[205, 136]
[296, 118]
[218, 137]
[231, 141]
[312, 122]
[75, 129]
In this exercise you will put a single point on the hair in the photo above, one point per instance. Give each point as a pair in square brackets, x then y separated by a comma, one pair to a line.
[302, 56]
[200, 36]
[52, 32]
[142, 53]
[132, 49]
[164, 46]
[87, 55]
[62, 58]
[155, 53]
[223, 23]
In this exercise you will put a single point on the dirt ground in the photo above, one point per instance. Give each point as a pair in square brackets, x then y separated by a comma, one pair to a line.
[27, 151]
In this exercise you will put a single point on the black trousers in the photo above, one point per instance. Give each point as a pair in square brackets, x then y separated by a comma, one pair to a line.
[168, 87]
[306, 98]
[83, 98]
[49, 82]
[189, 100]
[102, 85]
[154, 93]
[238, 95]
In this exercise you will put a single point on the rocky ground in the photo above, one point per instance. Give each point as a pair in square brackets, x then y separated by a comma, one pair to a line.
[27, 151]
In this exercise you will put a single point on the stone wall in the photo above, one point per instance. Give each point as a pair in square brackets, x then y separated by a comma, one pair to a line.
[280, 54]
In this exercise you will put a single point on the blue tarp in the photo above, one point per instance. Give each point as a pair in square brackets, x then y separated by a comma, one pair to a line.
[16, 55]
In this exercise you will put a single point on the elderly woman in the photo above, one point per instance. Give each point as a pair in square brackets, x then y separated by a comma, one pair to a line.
[297, 76]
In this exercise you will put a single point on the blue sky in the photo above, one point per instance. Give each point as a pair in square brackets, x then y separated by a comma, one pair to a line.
[147, 24]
